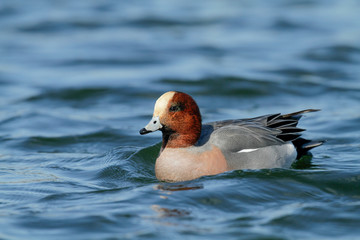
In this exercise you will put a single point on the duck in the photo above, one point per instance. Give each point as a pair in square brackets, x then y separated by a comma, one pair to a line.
[191, 149]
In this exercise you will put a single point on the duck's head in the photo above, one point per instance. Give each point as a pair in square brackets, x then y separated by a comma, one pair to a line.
[177, 115]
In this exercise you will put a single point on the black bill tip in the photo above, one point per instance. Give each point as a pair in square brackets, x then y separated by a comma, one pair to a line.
[144, 131]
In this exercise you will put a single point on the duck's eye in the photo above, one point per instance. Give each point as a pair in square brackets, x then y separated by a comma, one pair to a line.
[175, 108]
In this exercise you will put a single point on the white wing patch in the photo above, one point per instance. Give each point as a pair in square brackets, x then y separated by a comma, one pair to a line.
[248, 150]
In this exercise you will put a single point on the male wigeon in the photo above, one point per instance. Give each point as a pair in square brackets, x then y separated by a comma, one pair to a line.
[191, 150]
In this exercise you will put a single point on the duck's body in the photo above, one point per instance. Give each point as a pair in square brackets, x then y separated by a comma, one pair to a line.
[191, 150]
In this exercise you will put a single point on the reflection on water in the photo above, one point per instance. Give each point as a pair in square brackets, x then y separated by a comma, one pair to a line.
[166, 212]
[173, 187]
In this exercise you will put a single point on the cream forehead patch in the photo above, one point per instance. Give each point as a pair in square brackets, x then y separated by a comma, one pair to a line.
[162, 103]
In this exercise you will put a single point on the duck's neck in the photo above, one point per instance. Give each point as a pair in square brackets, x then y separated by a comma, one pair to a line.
[177, 140]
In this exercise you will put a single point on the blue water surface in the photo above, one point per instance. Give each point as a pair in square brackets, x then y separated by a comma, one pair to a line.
[78, 79]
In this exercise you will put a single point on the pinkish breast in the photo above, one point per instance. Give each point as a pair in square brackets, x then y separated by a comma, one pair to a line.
[183, 164]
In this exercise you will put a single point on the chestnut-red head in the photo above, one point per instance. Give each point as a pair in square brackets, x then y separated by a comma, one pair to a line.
[177, 115]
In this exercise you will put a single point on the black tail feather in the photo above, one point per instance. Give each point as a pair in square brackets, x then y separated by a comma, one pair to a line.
[281, 122]
[303, 146]
[287, 124]
[299, 113]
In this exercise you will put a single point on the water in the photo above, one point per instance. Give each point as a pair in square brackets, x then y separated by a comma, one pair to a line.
[78, 79]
